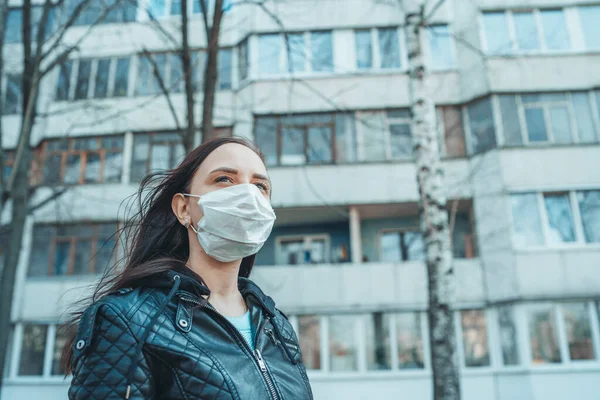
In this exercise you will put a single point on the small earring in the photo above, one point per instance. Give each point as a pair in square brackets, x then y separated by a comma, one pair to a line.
[187, 224]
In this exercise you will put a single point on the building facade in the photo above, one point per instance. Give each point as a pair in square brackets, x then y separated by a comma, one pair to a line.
[323, 90]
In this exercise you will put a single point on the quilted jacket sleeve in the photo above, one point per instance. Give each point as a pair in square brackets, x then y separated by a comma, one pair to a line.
[104, 349]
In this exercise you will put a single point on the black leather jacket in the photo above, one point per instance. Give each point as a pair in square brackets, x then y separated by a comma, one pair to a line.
[162, 340]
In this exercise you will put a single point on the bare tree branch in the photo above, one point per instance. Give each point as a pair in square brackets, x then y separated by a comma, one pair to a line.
[163, 88]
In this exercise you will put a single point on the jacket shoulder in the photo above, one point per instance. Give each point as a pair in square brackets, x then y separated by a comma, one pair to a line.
[116, 310]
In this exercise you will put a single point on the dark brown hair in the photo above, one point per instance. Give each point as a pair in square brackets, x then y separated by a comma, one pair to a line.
[154, 240]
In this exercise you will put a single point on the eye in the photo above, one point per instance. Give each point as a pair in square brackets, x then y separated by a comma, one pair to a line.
[262, 187]
[223, 178]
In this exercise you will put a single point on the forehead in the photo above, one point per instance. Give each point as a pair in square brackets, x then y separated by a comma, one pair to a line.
[236, 156]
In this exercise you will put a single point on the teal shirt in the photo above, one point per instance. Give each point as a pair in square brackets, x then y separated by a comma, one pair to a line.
[244, 325]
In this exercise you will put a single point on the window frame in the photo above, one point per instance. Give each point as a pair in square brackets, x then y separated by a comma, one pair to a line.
[91, 89]
[580, 240]
[305, 127]
[511, 29]
[460, 348]
[546, 106]
[401, 231]
[376, 55]
[284, 67]
[14, 362]
[556, 308]
[101, 151]
[453, 65]
[307, 239]
[386, 132]
[95, 237]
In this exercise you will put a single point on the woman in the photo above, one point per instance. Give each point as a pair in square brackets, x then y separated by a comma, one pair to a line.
[182, 320]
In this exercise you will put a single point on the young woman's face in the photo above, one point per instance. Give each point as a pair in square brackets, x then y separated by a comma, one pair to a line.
[230, 164]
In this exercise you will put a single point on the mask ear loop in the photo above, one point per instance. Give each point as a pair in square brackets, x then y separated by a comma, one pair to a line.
[187, 223]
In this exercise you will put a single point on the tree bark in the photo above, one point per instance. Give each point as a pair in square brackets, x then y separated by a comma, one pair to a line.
[3, 16]
[434, 217]
[186, 63]
[211, 74]
[19, 185]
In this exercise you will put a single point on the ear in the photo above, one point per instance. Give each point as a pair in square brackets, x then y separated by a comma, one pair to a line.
[180, 209]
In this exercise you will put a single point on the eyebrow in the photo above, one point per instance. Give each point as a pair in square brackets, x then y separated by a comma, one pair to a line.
[235, 172]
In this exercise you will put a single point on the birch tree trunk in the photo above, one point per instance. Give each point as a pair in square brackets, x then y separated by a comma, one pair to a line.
[434, 217]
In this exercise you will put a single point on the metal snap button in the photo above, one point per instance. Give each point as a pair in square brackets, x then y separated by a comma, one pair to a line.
[183, 323]
[80, 344]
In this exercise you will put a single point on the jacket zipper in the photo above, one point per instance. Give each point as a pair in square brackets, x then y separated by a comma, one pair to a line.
[256, 354]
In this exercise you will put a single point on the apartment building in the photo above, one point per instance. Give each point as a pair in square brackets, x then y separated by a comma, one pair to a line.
[323, 90]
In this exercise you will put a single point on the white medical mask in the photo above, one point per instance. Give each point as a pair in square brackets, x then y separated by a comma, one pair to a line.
[237, 222]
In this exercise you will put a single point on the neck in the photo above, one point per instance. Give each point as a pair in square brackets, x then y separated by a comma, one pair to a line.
[220, 277]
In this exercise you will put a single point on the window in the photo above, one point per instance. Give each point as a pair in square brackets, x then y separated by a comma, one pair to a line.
[74, 249]
[409, 340]
[155, 152]
[554, 26]
[578, 331]
[243, 60]
[121, 77]
[83, 160]
[95, 78]
[305, 138]
[225, 70]
[309, 336]
[298, 57]
[547, 115]
[14, 24]
[9, 162]
[83, 79]
[560, 219]
[508, 336]
[510, 120]
[102, 11]
[401, 246]
[377, 48]
[321, 46]
[269, 50]
[589, 208]
[441, 50]
[589, 17]
[560, 118]
[543, 337]
[474, 337]
[169, 70]
[210, 5]
[303, 250]
[451, 126]
[62, 334]
[31, 360]
[39, 341]
[526, 220]
[364, 49]
[389, 47]
[534, 30]
[481, 122]
[101, 87]
[309, 52]
[551, 218]
[148, 78]
[526, 31]
[379, 355]
[13, 95]
[343, 343]
[385, 135]
[495, 28]
[64, 81]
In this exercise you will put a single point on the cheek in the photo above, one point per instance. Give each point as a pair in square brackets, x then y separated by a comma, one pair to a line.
[196, 212]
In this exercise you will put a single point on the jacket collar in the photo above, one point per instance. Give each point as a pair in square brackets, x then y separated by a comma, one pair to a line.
[191, 284]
